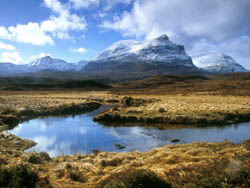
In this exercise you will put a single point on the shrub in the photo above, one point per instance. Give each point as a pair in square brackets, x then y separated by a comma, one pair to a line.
[76, 176]
[3, 161]
[18, 176]
[134, 179]
[35, 159]
[38, 158]
[110, 162]
[45, 156]
[60, 173]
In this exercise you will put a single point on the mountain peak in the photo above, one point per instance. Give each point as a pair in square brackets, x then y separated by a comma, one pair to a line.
[46, 57]
[158, 55]
[163, 37]
[48, 63]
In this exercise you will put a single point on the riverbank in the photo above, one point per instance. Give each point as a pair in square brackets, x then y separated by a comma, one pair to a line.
[12, 144]
[17, 107]
[186, 165]
[195, 110]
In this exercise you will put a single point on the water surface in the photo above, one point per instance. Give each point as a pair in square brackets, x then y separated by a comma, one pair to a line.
[69, 135]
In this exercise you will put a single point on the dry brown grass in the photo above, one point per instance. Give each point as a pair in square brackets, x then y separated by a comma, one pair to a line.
[192, 104]
[234, 84]
[186, 165]
[186, 109]
[16, 102]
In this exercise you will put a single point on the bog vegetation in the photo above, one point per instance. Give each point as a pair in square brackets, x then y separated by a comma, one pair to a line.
[193, 100]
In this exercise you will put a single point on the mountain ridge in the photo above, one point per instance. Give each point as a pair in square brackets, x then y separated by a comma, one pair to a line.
[159, 55]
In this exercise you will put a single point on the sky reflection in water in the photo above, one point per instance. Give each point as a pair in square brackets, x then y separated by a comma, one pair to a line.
[79, 134]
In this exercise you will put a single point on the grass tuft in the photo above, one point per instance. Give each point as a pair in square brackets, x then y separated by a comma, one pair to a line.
[18, 176]
[134, 179]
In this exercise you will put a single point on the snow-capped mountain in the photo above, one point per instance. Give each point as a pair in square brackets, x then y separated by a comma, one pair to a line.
[160, 55]
[218, 63]
[160, 49]
[80, 65]
[47, 63]
[7, 68]
[42, 64]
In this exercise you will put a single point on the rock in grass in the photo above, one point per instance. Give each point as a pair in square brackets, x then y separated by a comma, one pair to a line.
[162, 110]
[175, 140]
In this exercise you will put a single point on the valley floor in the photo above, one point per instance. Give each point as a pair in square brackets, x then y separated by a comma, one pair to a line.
[186, 165]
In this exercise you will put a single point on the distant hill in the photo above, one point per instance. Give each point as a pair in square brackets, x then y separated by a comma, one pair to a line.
[161, 80]
[44, 64]
[227, 84]
[31, 83]
[218, 63]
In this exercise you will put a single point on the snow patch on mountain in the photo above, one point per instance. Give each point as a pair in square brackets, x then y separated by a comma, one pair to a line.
[160, 49]
[47, 63]
[218, 63]
[7, 68]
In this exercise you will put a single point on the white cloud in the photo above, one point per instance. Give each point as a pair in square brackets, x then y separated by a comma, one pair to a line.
[79, 50]
[213, 19]
[106, 4]
[109, 4]
[41, 55]
[6, 46]
[13, 57]
[30, 33]
[58, 25]
[78, 4]
[56, 6]
[63, 21]
[4, 33]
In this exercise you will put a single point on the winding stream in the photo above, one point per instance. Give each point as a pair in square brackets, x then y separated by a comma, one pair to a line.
[79, 134]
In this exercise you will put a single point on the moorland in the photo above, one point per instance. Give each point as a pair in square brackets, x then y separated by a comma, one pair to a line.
[161, 100]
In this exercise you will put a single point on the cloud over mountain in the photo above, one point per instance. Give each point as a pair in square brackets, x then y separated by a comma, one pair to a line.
[194, 22]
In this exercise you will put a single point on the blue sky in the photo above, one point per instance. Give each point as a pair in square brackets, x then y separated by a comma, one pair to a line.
[75, 30]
